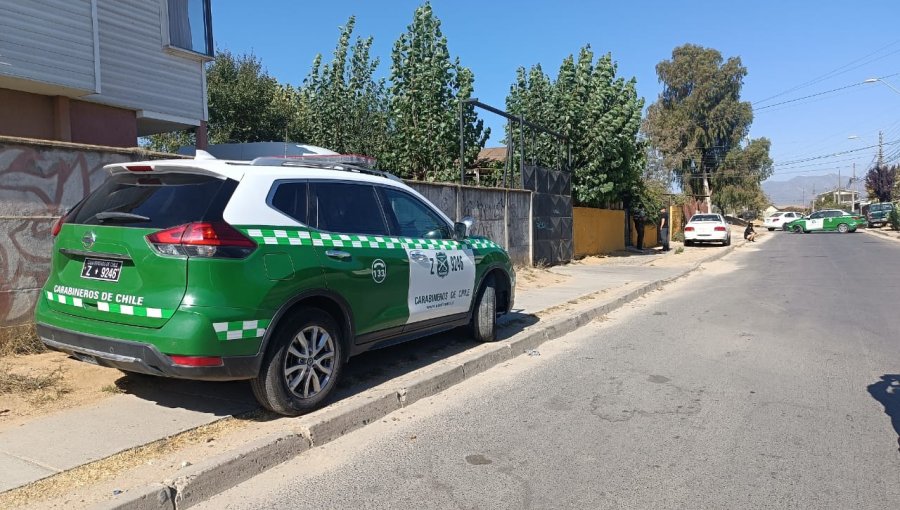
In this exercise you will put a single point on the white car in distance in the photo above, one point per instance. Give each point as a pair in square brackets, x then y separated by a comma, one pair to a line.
[707, 228]
[780, 219]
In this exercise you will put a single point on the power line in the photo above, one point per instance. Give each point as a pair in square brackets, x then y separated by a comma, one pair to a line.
[837, 71]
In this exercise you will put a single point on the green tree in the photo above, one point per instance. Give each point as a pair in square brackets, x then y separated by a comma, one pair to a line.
[341, 106]
[698, 118]
[598, 112]
[425, 93]
[245, 103]
[738, 183]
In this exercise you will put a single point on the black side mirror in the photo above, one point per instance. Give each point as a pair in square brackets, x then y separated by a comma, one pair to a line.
[461, 228]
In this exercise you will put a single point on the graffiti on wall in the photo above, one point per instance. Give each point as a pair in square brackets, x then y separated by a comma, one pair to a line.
[37, 184]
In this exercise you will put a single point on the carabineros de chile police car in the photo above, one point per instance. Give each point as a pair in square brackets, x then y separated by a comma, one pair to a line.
[275, 270]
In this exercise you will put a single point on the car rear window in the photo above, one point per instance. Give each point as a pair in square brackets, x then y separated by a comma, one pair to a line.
[706, 217]
[155, 201]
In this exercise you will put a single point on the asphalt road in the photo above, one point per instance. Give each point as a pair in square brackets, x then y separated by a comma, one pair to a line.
[763, 381]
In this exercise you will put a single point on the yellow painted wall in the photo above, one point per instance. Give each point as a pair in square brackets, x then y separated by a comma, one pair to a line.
[649, 236]
[598, 231]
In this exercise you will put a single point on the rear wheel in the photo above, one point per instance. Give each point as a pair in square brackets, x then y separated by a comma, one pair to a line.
[727, 241]
[843, 228]
[771, 229]
[484, 316]
[302, 364]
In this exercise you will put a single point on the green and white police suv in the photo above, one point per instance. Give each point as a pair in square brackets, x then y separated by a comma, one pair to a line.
[275, 270]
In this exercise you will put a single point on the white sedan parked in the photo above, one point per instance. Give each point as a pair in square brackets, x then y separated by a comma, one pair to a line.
[780, 219]
[707, 228]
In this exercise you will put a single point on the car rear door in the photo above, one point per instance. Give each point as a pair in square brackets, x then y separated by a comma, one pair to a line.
[103, 266]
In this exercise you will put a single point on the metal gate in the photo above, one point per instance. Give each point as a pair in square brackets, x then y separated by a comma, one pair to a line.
[551, 206]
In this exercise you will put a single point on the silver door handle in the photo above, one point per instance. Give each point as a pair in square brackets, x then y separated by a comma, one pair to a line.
[337, 254]
[419, 257]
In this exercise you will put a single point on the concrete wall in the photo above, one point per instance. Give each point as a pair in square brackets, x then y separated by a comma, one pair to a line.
[599, 231]
[502, 215]
[39, 180]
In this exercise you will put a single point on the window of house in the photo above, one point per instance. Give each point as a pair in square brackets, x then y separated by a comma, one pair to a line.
[190, 25]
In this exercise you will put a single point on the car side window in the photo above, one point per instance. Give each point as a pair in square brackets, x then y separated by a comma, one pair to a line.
[815, 216]
[290, 199]
[411, 218]
[347, 208]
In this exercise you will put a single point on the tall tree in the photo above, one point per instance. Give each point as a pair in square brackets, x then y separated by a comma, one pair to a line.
[738, 183]
[426, 89]
[600, 114]
[880, 181]
[244, 101]
[698, 118]
[341, 105]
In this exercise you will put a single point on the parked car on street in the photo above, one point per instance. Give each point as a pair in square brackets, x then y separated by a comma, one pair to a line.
[276, 271]
[877, 214]
[827, 220]
[707, 228]
[780, 219]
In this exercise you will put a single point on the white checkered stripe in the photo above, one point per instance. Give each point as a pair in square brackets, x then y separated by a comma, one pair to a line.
[104, 306]
[312, 238]
[237, 330]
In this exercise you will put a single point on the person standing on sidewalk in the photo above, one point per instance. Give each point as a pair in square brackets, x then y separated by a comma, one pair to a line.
[640, 221]
[664, 228]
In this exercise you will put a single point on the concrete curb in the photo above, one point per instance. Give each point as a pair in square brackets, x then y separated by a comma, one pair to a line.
[330, 423]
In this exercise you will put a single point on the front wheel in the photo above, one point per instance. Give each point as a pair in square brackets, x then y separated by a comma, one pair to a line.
[302, 364]
[484, 316]
[843, 228]
[797, 229]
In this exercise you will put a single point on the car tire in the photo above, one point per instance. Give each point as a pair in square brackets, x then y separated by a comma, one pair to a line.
[727, 241]
[484, 315]
[274, 387]
[771, 228]
[843, 228]
[797, 229]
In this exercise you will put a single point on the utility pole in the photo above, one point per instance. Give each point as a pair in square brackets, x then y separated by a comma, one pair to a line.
[856, 199]
[880, 149]
[839, 194]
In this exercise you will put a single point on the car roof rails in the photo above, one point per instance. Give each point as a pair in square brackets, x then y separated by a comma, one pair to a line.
[342, 162]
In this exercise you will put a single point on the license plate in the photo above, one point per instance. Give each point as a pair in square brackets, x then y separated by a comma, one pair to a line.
[101, 269]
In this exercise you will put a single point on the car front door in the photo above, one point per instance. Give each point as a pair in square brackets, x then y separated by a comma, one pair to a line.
[816, 221]
[441, 272]
[363, 263]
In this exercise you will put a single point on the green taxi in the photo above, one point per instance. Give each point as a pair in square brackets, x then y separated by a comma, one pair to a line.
[826, 220]
[275, 271]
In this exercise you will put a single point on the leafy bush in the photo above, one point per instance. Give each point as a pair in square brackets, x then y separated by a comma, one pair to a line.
[894, 219]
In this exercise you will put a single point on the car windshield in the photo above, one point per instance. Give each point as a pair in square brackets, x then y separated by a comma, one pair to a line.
[706, 217]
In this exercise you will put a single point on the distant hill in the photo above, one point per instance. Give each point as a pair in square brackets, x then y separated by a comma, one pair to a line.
[791, 192]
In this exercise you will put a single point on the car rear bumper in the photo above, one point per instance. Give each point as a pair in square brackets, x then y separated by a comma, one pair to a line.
[140, 357]
[717, 237]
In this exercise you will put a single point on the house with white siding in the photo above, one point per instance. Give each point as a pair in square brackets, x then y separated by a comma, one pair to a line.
[103, 72]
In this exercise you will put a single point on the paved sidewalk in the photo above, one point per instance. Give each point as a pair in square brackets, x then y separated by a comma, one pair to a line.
[70, 438]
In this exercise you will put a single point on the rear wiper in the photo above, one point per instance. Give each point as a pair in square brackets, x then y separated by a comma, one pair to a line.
[120, 216]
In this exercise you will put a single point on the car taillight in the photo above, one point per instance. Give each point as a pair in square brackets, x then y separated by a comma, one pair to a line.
[196, 361]
[202, 239]
[776, 220]
[139, 168]
[719, 229]
[688, 229]
[58, 225]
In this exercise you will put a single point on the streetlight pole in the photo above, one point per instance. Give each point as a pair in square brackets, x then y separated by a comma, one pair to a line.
[884, 82]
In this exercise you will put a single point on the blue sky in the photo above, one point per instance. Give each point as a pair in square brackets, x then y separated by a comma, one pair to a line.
[783, 44]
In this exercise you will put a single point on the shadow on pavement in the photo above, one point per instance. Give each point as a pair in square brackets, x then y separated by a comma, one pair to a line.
[361, 373]
[887, 392]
